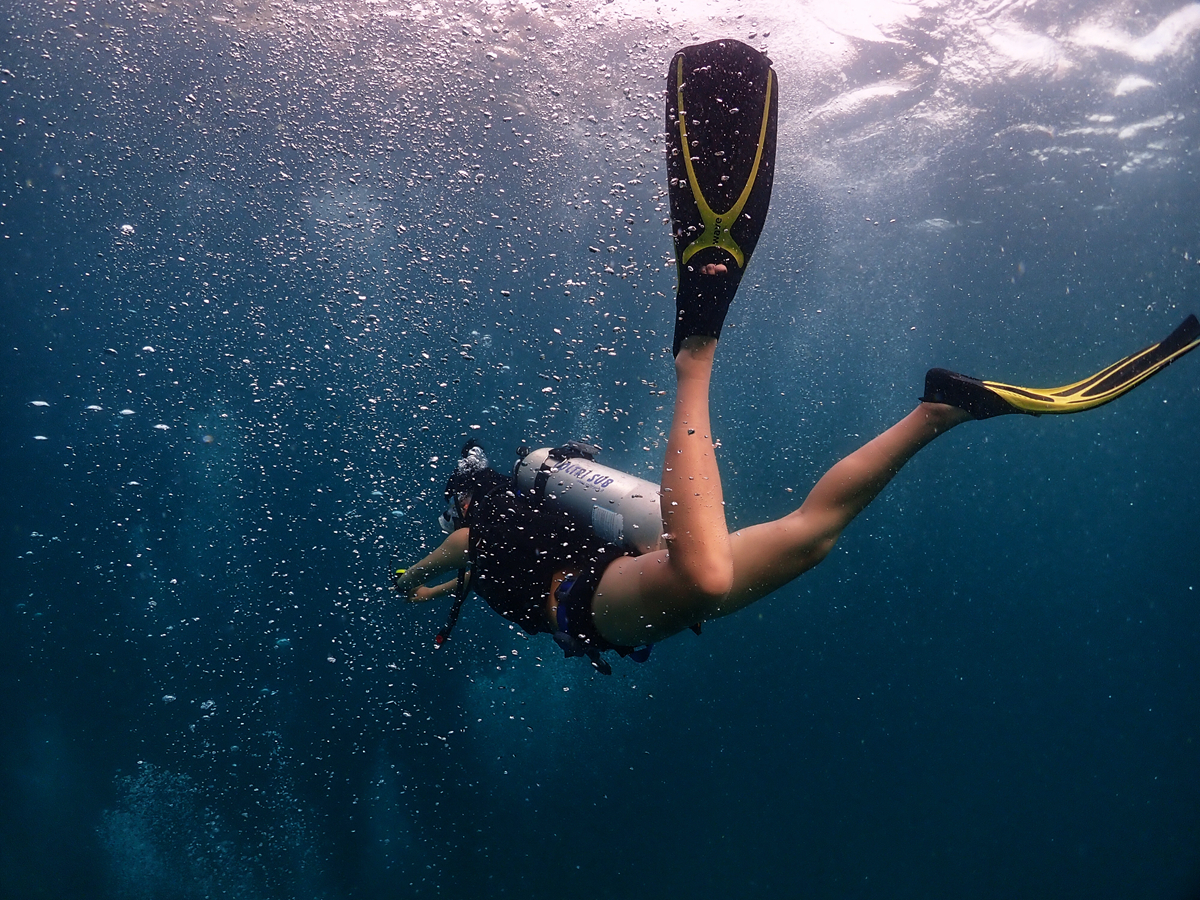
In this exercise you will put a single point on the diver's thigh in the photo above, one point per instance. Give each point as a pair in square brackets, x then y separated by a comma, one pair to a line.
[637, 600]
[768, 556]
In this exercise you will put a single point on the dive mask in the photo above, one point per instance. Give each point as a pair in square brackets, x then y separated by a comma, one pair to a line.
[446, 519]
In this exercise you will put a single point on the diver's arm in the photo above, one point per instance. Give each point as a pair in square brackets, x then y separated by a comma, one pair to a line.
[423, 593]
[452, 554]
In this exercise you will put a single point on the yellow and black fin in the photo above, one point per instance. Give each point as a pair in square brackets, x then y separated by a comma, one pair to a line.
[722, 113]
[985, 399]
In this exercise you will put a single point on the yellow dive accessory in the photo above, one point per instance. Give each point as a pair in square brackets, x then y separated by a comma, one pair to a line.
[985, 399]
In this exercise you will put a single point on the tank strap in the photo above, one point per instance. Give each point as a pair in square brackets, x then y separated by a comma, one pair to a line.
[569, 450]
[539, 481]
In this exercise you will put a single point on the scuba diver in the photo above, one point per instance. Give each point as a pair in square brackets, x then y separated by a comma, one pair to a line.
[553, 548]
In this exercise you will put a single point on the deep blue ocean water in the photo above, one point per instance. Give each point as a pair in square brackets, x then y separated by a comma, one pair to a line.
[265, 267]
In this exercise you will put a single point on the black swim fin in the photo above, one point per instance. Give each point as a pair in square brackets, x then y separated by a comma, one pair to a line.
[722, 113]
[985, 399]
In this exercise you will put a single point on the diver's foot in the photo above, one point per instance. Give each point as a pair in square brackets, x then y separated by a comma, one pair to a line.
[968, 394]
[705, 292]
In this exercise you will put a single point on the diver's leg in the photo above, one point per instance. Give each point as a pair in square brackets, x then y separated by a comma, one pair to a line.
[644, 598]
[768, 556]
[722, 115]
[692, 504]
[638, 601]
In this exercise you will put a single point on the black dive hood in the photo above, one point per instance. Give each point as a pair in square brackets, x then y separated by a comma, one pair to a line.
[472, 476]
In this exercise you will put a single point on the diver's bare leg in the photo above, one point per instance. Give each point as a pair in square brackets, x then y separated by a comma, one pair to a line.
[693, 506]
[644, 598]
[768, 556]
[637, 600]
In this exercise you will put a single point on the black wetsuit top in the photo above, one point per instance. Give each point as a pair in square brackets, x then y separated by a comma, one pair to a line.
[516, 547]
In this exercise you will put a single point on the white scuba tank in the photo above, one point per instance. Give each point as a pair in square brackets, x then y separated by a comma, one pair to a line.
[619, 507]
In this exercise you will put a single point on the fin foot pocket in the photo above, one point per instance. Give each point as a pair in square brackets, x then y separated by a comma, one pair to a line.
[968, 394]
[985, 399]
[722, 111]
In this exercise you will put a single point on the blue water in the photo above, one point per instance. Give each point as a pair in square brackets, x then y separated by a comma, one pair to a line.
[296, 255]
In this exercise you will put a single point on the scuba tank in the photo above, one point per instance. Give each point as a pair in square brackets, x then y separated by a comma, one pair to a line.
[620, 508]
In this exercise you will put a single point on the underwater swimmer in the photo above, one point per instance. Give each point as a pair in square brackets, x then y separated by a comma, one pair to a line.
[540, 567]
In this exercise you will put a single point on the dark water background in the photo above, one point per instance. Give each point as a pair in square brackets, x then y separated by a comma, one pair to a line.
[356, 231]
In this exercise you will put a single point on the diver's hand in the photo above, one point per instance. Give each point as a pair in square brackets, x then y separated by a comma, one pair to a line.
[451, 554]
[404, 586]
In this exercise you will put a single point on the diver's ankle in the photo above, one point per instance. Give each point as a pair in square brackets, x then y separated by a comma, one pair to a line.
[943, 416]
[696, 350]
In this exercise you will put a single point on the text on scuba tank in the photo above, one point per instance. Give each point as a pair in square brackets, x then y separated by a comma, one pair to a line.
[597, 480]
